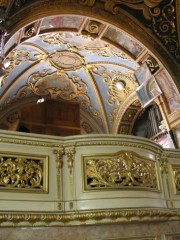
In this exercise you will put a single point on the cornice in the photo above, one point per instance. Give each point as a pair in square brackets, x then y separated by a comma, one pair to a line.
[28, 219]
[153, 148]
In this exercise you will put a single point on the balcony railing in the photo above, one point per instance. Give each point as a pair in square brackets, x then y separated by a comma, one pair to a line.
[86, 179]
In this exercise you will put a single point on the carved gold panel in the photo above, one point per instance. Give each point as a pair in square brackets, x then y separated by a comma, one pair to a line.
[121, 170]
[26, 173]
[175, 172]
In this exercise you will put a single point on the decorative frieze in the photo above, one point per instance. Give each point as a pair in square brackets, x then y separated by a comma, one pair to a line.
[98, 217]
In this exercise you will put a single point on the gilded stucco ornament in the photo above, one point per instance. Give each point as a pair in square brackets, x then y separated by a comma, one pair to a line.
[17, 56]
[160, 15]
[113, 6]
[56, 85]
[59, 159]
[70, 153]
[164, 25]
[66, 60]
[59, 164]
[176, 177]
[87, 127]
[111, 78]
[163, 162]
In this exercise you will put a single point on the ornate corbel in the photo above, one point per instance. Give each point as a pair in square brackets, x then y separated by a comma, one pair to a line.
[163, 163]
[70, 153]
[59, 164]
[59, 161]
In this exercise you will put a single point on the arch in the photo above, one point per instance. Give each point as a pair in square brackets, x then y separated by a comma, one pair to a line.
[100, 17]
[97, 10]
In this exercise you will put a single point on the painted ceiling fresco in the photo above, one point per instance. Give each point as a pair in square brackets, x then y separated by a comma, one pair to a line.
[72, 58]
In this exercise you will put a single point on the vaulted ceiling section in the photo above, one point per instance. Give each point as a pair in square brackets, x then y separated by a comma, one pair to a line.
[81, 59]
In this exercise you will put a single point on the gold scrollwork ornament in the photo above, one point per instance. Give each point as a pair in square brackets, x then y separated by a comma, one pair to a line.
[163, 165]
[70, 153]
[113, 5]
[122, 170]
[21, 173]
[59, 160]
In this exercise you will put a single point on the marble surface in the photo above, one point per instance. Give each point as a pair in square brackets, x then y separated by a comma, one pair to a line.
[94, 232]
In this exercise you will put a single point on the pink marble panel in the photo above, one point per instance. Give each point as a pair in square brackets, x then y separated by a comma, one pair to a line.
[94, 232]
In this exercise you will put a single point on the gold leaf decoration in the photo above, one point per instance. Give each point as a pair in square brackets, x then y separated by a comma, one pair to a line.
[21, 173]
[124, 169]
[61, 219]
[113, 6]
[57, 85]
[159, 15]
[176, 177]
[66, 60]
[164, 26]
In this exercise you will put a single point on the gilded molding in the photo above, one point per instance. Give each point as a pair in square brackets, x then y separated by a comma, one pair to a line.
[155, 149]
[97, 217]
[118, 143]
[30, 143]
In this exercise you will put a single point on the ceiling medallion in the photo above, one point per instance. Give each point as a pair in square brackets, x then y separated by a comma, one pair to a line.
[120, 87]
[66, 60]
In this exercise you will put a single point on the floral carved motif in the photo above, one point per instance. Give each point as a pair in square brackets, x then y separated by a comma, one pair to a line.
[21, 173]
[124, 169]
[176, 176]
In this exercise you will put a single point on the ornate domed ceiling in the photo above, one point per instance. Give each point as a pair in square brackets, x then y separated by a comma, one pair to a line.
[77, 59]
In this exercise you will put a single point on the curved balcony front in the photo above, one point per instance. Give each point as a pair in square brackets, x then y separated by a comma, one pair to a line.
[86, 179]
